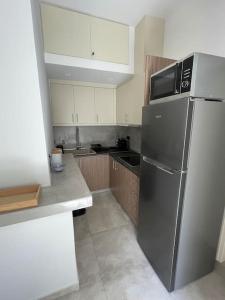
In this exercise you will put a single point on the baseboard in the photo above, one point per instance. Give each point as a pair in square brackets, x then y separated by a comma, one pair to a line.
[101, 191]
[62, 292]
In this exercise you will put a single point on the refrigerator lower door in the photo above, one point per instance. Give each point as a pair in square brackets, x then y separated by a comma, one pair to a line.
[160, 201]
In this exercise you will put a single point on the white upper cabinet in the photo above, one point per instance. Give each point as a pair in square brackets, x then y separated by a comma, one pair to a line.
[66, 32]
[73, 34]
[84, 105]
[105, 105]
[109, 41]
[62, 102]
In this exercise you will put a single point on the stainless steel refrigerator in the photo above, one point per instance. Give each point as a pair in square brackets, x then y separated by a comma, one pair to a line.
[182, 187]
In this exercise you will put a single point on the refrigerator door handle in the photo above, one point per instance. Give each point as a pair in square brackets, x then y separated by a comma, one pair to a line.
[160, 166]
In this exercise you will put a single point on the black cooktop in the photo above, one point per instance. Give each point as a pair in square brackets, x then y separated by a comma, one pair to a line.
[98, 148]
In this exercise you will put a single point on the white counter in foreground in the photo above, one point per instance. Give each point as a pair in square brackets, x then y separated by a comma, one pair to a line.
[37, 245]
[68, 192]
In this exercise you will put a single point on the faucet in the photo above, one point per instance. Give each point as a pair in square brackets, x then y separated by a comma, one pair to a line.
[78, 145]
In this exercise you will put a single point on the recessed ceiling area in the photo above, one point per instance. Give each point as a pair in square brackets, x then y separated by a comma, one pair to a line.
[83, 74]
[124, 11]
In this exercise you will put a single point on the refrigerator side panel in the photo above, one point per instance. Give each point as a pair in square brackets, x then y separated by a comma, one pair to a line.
[204, 196]
[208, 77]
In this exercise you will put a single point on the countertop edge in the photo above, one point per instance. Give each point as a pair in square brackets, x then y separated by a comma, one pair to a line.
[52, 199]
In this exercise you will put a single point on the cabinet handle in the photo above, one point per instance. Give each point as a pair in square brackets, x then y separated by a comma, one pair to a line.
[77, 119]
[73, 118]
[92, 53]
[97, 119]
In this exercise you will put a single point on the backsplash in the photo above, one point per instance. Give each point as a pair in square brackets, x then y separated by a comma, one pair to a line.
[135, 136]
[105, 135]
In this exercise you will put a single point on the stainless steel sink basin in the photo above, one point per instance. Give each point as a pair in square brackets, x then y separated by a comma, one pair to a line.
[133, 160]
[83, 151]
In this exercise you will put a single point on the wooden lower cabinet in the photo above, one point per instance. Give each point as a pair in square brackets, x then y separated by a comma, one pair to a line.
[125, 187]
[95, 170]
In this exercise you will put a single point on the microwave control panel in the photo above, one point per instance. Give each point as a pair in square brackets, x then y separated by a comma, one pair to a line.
[186, 74]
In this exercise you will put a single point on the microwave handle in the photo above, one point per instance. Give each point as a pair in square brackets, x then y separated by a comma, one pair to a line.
[178, 78]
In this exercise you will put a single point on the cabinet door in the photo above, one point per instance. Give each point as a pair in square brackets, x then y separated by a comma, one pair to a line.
[105, 105]
[84, 105]
[95, 170]
[126, 107]
[132, 201]
[102, 172]
[109, 41]
[62, 103]
[113, 178]
[87, 167]
[66, 32]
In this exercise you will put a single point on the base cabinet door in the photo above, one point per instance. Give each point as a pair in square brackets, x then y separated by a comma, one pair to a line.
[95, 170]
[124, 185]
[130, 202]
[101, 172]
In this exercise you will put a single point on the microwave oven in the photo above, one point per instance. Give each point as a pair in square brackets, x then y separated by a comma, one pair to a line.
[198, 75]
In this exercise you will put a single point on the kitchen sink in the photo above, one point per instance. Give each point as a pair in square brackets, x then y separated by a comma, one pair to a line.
[133, 160]
[83, 151]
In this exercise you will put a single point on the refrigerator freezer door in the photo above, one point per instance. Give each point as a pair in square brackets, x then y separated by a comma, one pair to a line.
[163, 132]
[160, 194]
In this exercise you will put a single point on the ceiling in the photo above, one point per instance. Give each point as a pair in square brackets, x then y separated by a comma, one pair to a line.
[62, 72]
[125, 11]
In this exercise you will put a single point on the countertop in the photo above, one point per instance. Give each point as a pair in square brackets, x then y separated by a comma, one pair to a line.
[68, 192]
[117, 155]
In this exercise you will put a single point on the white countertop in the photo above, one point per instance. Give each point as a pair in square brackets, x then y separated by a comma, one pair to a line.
[68, 192]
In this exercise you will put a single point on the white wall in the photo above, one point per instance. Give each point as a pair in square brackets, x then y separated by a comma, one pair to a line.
[37, 258]
[23, 148]
[43, 82]
[195, 26]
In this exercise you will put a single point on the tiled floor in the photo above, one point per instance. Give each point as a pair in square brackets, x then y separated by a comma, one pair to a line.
[112, 266]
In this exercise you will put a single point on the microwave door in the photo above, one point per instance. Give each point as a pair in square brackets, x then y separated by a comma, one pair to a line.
[166, 82]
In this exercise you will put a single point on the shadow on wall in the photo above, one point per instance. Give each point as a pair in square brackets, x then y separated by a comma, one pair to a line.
[135, 136]
[24, 171]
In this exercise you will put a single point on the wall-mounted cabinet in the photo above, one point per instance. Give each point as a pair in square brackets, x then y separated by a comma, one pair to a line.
[134, 94]
[82, 105]
[70, 33]
[66, 32]
[105, 105]
[62, 102]
[109, 41]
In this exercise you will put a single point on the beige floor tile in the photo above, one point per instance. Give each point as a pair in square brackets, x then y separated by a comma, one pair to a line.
[113, 267]
[81, 228]
[105, 214]
[88, 268]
